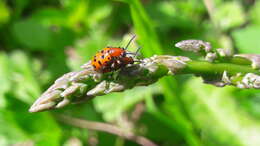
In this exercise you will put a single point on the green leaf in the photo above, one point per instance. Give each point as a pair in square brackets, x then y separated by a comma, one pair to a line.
[216, 114]
[173, 120]
[40, 128]
[113, 105]
[23, 77]
[77, 12]
[144, 28]
[149, 40]
[4, 13]
[255, 13]
[249, 100]
[229, 15]
[10, 132]
[33, 35]
[99, 14]
[50, 16]
[4, 78]
[19, 6]
[167, 132]
[247, 39]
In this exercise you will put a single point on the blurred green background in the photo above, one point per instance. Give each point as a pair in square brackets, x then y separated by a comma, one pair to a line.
[41, 40]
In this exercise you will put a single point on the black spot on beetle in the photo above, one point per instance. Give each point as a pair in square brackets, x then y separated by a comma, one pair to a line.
[94, 66]
[99, 63]
[102, 56]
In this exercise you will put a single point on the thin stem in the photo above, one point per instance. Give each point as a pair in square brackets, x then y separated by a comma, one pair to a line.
[210, 6]
[104, 127]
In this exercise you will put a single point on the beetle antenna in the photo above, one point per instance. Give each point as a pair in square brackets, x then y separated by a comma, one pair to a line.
[130, 42]
[136, 52]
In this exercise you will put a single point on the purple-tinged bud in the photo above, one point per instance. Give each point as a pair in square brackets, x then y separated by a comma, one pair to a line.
[194, 46]
[254, 58]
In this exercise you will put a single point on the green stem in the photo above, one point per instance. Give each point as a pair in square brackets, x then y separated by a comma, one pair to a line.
[207, 68]
[239, 60]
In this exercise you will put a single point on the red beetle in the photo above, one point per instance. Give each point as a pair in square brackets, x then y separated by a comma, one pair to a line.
[112, 58]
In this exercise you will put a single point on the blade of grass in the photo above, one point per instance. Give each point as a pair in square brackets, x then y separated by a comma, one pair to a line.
[144, 29]
[146, 32]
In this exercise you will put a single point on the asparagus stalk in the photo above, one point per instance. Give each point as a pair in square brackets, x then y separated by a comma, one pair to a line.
[219, 67]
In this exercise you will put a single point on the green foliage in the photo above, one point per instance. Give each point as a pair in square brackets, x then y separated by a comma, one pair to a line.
[247, 39]
[229, 15]
[41, 40]
[4, 13]
[207, 112]
[47, 38]
[130, 98]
